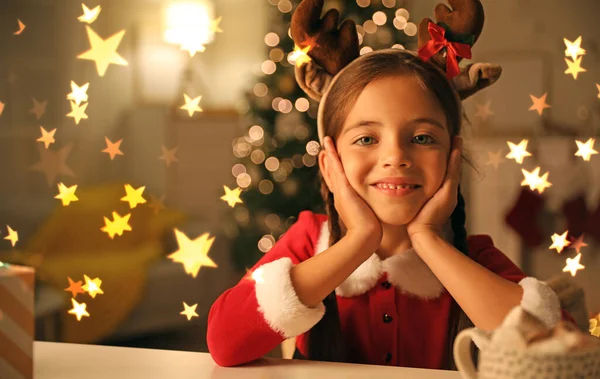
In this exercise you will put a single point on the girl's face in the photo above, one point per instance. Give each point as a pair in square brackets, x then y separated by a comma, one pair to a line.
[395, 131]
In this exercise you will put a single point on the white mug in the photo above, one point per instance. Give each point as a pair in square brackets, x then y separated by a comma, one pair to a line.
[501, 362]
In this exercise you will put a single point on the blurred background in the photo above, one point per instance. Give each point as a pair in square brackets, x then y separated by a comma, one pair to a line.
[248, 126]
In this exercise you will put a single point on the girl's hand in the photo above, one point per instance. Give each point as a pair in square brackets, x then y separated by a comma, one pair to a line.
[436, 212]
[354, 212]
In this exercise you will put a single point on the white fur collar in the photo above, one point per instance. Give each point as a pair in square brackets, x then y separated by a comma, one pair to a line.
[407, 271]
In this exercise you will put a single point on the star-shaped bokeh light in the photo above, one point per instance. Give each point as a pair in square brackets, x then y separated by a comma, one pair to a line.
[103, 52]
[535, 181]
[66, 194]
[586, 150]
[232, 197]
[577, 243]
[191, 105]
[53, 163]
[214, 25]
[189, 311]
[117, 226]
[12, 236]
[78, 112]
[573, 265]
[594, 328]
[134, 196]
[300, 55]
[112, 149]
[574, 67]
[257, 275]
[168, 155]
[559, 242]
[79, 310]
[21, 28]
[92, 286]
[494, 159]
[539, 103]
[89, 16]
[39, 108]
[74, 287]
[78, 94]
[484, 111]
[193, 254]
[157, 204]
[518, 152]
[573, 49]
[47, 137]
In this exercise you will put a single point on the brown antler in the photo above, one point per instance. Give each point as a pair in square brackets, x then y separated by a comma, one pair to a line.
[466, 16]
[331, 48]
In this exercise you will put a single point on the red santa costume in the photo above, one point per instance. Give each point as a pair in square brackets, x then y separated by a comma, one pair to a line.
[392, 311]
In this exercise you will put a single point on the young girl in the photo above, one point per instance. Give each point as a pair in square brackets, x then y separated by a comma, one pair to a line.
[388, 276]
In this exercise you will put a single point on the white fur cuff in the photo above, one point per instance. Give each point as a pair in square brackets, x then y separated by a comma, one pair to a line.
[540, 300]
[278, 302]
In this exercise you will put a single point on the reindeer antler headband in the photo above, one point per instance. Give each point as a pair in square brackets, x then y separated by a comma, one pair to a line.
[443, 43]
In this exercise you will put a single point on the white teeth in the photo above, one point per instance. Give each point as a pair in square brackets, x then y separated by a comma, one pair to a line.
[392, 186]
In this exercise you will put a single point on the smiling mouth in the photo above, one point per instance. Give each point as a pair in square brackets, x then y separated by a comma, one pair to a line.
[396, 190]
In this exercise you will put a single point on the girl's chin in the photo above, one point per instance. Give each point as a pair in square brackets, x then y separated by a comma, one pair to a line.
[396, 218]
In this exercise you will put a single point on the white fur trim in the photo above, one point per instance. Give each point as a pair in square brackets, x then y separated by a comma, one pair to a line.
[541, 301]
[362, 279]
[406, 271]
[278, 302]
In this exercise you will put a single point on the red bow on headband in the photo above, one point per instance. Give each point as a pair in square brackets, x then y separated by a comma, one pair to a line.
[453, 49]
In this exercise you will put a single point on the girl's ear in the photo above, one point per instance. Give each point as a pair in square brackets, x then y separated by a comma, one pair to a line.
[324, 166]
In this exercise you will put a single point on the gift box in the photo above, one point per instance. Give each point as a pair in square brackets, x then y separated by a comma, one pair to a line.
[16, 321]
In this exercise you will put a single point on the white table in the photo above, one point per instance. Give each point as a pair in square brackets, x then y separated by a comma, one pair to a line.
[71, 361]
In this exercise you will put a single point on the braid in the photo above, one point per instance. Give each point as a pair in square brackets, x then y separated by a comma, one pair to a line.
[325, 339]
[458, 318]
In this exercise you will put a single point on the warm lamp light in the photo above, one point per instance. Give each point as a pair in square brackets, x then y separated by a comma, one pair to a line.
[189, 22]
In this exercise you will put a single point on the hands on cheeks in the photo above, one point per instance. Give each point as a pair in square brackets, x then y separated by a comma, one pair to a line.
[354, 212]
[358, 217]
[437, 210]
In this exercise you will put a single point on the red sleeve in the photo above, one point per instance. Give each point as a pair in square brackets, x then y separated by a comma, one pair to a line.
[239, 327]
[483, 251]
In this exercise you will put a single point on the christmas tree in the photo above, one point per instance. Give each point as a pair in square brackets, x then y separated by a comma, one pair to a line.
[277, 167]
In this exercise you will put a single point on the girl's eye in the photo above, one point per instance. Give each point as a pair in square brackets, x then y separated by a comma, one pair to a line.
[423, 139]
[365, 141]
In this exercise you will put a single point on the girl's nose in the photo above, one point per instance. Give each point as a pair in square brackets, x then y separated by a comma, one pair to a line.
[395, 155]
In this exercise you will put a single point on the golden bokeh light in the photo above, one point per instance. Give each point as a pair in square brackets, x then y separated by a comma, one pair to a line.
[257, 156]
[272, 164]
[243, 180]
[370, 27]
[268, 67]
[313, 148]
[410, 29]
[266, 186]
[302, 104]
[261, 89]
[365, 50]
[272, 39]
[400, 23]
[379, 18]
[266, 243]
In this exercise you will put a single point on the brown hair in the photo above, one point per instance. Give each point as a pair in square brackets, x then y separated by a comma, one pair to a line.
[325, 341]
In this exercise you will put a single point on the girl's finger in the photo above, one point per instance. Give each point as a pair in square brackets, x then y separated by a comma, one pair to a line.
[337, 164]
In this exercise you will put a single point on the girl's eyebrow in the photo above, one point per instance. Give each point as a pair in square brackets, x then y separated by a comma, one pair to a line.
[418, 120]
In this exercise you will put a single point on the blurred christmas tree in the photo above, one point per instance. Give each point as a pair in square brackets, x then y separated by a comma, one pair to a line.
[278, 167]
